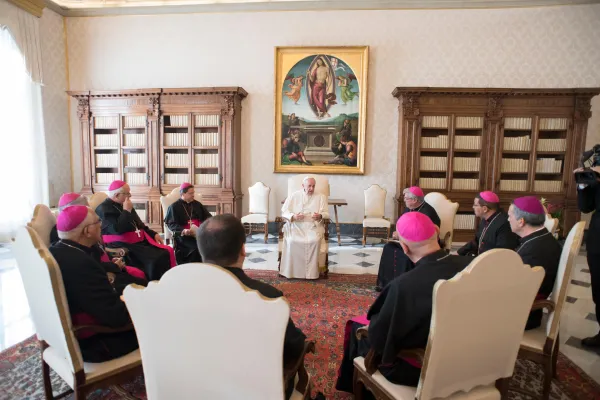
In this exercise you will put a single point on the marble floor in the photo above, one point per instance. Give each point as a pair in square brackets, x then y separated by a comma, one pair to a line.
[578, 318]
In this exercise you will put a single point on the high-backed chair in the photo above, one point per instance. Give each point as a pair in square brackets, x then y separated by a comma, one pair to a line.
[478, 318]
[45, 292]
[551, 224]
[96, 199]
[541, 344]
[446, 210]
[374, 221]
[246, 333]
[321, 187]
[42, 222]
[259, 209]
[166, 201]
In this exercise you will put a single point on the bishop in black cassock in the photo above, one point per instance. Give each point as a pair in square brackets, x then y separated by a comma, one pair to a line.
[537, 247]
[588, 198]
[183, 218]
[90, 296]
[393, 261]
[401, 316]
[122, 227]
[494, 230]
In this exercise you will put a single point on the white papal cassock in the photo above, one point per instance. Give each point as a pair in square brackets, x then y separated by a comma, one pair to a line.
[302, 239]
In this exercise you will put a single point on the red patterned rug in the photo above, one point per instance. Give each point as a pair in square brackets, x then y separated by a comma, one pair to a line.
[320, 308]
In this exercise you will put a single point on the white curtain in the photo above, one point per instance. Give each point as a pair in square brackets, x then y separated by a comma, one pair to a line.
[23, 168]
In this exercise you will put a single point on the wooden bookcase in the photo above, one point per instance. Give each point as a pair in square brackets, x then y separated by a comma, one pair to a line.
[154, 139]
[515, 142]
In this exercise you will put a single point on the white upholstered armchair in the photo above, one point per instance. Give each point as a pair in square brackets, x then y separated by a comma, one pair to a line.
[96, 199]
[258, 217]
[321, 187]
[446, 210]
[375, 221]
[45, 292]
[478, 318]
[243, 353]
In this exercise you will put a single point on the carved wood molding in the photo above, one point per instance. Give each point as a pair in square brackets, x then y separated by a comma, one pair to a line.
[494, 92]
[154, 103]
[583, 107]
[83, 108]
[232, 91]
[34, 7]
[494, 108]
[228, 106]
[410, 105]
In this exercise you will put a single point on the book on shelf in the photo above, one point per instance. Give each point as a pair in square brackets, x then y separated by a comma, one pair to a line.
[136, 178]
[110, 160]
[177, 160]
[466, 164]
[434, 163]
[135, 159]
[547, 186]
[469, 123]
[513, 185]
[206, 160]
[465, 184]
[464, 221]
[176, 139]
[553, 124]
[467, 142]
[103, 122]
[548, 165]
[176, 179]
[111, 140]
[207, 179]
[180, 121]
[134, 140]
[206, 139]
[438, 121]
[514, 165]
[134, 121]
[106, 177]
[552, 145]
[432, 183]
[519, 143]
[434, 142]
[202, 120]
[517, 123]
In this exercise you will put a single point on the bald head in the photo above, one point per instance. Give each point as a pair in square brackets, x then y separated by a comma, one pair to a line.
[221, 240]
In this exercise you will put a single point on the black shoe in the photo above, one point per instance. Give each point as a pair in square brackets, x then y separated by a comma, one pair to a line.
[378, 288]
[593, 341]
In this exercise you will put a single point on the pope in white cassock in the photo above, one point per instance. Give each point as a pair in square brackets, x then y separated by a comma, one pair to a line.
[303, 231]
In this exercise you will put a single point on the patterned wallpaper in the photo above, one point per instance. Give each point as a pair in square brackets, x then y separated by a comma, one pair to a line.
[55, 104]
[530, 47]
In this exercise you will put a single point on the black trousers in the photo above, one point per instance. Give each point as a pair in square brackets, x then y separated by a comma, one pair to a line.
[108, 346]
[593, 259]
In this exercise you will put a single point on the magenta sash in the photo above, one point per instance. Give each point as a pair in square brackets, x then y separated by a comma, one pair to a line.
[133, 271]
[194, 221]
[132, 238]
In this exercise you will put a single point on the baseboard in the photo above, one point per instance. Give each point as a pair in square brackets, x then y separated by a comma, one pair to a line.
[345, 228]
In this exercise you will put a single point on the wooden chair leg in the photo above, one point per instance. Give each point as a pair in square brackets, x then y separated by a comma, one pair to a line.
[547, 378]
[357, 386]
[266, 232]
[364, 241]
[47, 383]
[555, 356]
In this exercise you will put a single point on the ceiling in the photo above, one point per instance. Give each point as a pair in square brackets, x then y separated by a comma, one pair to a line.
[116, 7]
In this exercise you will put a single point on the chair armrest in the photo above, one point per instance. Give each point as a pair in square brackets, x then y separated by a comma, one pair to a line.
[280, 221]
[103, 329]
[543, 303]
[292, 368]
[444, 242]
[362, 332]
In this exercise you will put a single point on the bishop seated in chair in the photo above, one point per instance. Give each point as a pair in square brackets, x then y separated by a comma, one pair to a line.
[493, 231]
[183, 219]
[93, 299]
[393, 261]
[303, 231]
[122, 227]
[537, 247]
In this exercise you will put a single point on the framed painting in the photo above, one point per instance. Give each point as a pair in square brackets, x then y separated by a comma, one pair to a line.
[320, 109]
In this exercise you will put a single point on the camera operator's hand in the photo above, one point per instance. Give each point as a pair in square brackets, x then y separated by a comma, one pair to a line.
[580, 169]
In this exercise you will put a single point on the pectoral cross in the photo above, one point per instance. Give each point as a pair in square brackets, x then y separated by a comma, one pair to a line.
[190, 222]
[137, 231]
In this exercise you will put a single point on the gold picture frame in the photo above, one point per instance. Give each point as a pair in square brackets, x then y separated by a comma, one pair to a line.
[321, 109]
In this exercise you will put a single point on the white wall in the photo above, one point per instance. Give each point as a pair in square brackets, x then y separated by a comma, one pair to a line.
[532, 47]
[55, 105]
